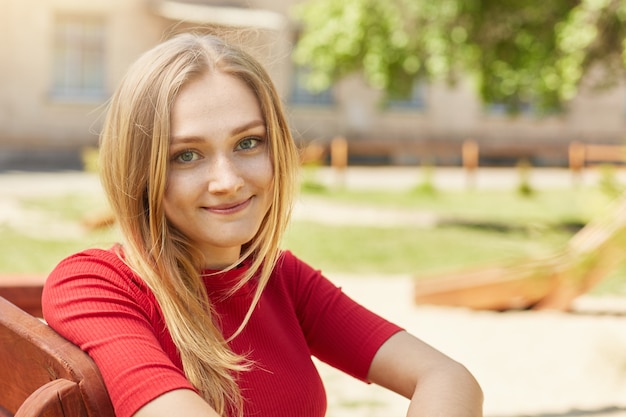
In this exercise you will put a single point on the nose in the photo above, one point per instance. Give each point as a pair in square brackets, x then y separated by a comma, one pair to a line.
[225, 176]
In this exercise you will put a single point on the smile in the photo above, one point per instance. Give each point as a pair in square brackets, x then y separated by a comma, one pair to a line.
[229, 208]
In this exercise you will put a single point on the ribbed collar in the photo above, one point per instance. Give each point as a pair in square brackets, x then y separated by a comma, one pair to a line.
[218, 283]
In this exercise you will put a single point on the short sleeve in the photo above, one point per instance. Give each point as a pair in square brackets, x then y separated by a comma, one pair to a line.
[339, 331]
[94, 300]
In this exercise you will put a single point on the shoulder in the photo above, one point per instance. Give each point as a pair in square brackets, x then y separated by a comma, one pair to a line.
[104, 264]
[298, 277]
[112, 257]
[294, 270]
[94, 275]
[290, 264]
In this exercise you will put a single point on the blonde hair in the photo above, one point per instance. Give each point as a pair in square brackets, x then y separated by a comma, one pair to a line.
[134, 163]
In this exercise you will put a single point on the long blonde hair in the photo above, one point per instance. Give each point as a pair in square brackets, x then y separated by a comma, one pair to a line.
[134, 162]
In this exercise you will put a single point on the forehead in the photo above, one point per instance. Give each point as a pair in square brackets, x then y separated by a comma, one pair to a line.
[213, 101]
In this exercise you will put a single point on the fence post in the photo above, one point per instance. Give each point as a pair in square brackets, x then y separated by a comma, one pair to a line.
[339, 158]
[469, 155]
[576, 160]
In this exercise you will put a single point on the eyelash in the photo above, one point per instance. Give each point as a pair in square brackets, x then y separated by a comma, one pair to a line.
[178, 156]
[258, 141]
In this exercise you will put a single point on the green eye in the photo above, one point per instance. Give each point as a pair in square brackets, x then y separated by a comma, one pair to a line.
[246, 143]
[187, 156]
[249, 143]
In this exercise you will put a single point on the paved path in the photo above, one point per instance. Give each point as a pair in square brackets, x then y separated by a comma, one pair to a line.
[399, 178]
[402, 178]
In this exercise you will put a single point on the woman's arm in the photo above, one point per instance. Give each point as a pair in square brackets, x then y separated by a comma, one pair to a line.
[180, 402]
[436, 384]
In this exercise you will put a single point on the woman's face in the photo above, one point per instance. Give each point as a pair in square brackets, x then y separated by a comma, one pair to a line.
[220, 179]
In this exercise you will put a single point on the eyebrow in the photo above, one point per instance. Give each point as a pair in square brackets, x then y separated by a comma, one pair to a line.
[239, 129]
[250, 125]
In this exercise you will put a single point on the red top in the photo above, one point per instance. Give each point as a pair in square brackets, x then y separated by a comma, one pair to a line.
[96, 301]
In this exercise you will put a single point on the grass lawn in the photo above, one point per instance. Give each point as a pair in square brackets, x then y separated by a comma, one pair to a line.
[475, 228]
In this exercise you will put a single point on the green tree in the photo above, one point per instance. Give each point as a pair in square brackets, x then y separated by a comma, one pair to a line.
[519, 51]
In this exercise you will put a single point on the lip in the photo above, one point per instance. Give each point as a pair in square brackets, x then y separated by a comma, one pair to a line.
[229, 208]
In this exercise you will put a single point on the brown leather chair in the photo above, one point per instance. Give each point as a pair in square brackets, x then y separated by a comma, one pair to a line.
[44, 375]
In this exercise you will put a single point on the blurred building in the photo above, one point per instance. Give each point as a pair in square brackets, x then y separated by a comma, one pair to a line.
[61, 59]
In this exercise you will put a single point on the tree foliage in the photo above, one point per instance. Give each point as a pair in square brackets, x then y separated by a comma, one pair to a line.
[519, 51]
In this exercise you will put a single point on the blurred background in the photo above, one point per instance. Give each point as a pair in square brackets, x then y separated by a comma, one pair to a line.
[405, 81]
[450, 141]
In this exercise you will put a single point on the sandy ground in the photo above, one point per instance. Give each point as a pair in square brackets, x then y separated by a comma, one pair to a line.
[529, 364]
[539, 364]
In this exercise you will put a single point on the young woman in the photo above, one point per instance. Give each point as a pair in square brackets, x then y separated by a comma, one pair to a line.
[198, 312]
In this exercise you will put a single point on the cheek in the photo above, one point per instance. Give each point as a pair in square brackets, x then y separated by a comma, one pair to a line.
[270, 181]
[263, 178]
[169, 207]
[269, 176]
[178, 191]
[261, 172]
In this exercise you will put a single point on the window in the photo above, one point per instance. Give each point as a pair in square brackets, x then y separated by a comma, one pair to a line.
[78, 58]
[301, 95]
[415, 101]
[502, 109]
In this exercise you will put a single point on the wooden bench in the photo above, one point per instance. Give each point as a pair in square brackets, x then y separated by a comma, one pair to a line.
[24, 291]
[550, 282]
[469, 153]
[582, 155]
[429, 152]
[44, 375]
